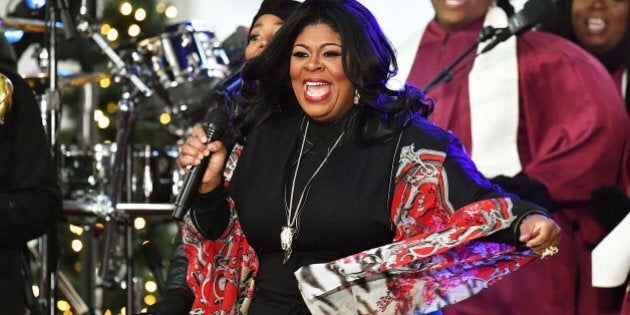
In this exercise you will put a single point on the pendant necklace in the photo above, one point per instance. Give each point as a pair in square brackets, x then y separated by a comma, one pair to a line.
[293, 214]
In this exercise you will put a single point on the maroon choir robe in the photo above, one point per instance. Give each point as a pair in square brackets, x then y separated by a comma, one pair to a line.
[572, 128]
[620, 76]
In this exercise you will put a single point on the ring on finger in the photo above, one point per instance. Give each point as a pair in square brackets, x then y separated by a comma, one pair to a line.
[549, 251]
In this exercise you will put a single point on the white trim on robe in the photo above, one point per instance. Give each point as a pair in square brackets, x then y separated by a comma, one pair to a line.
[494, 95]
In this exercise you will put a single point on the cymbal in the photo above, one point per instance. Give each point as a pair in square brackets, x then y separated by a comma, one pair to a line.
[27, 25]
[39, 81]
[82, 78]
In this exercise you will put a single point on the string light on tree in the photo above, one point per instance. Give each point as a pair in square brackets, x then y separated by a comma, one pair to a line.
[124, 14]
[140, 15]
[125, 8]
[105, 29]
[171, 12]
[112, 34]
[134, 30]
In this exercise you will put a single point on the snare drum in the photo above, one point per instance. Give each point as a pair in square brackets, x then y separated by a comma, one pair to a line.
[85, 173]
[187, 61]
[150, 175]
[155, 176]
[77, 171]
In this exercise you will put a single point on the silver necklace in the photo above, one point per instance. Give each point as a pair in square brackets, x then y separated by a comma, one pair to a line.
[289, 230]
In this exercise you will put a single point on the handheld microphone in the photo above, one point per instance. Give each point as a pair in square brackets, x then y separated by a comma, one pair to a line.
[533, 12]
[224, 92]
[229, 84]
[214, 126]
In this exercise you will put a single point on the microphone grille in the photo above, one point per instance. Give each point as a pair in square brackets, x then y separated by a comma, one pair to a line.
[533, 12]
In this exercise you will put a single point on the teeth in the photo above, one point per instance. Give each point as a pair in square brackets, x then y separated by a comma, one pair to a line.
[595, 24]
[453, 2]
[315, 84]
[316, 89]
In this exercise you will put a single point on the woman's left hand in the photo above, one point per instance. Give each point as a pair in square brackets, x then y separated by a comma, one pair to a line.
[541, 234]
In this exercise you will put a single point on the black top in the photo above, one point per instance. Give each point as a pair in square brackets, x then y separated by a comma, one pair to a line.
[343, 214]
[339, 204]
[29, 194]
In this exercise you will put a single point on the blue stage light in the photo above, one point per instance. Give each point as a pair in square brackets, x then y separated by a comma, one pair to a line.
[35, 4]
[13, 36]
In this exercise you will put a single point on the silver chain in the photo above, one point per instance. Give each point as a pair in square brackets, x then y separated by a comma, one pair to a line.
[292, 214]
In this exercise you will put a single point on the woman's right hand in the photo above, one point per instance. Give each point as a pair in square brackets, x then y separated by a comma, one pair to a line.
[194, 150]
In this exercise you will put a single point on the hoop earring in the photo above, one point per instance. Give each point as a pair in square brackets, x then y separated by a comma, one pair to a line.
[357, 97]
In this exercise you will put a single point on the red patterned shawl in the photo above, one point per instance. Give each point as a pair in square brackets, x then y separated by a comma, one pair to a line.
[433, 261]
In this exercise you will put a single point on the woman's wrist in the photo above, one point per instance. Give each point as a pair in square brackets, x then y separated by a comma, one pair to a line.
[209, 186]
[210, 212]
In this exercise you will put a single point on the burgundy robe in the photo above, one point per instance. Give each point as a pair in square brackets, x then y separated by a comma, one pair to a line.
[571, 133]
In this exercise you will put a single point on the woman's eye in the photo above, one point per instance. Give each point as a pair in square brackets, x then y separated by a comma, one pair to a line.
[253, 38]
[300, 54]
[332, 54]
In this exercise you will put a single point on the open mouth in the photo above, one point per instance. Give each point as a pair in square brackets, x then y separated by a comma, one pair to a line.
[595, 25]
[453, 3]
[316, 91]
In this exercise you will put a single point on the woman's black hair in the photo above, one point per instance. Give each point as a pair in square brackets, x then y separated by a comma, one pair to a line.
[560, 23]
[368, 60]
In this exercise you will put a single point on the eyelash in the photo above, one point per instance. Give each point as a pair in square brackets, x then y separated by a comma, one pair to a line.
[302, 54]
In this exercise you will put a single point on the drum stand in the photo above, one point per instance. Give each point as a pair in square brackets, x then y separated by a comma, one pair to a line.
[120, 164]
[109, 204]
[125, 128]
[106, 203]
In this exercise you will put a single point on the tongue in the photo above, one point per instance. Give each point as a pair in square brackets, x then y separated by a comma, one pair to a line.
[317, 90]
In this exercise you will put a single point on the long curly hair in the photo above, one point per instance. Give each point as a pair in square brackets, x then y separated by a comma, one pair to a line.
[368, 61]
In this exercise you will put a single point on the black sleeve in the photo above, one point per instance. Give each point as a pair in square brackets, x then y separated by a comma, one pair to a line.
[210, 213]
[527, 188]
[177, 298]
[176, 274]
[610, 204]
[30, 199]
[467, 185]
[175, 302]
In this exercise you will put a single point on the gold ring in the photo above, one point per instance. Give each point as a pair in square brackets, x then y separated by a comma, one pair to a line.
[549, 251]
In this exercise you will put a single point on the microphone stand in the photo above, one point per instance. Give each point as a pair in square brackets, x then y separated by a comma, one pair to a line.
[445, 74]
[50, 109]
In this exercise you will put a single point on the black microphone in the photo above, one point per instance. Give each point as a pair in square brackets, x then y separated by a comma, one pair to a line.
[214, 126]
[229, 84]
[533, 12]
[69, 29]
[223, 92]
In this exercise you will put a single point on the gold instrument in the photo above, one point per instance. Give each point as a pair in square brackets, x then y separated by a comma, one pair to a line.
[6, 96]
[28, 25]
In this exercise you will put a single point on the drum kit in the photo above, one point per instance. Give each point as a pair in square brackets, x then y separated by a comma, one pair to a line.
[174, 73]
